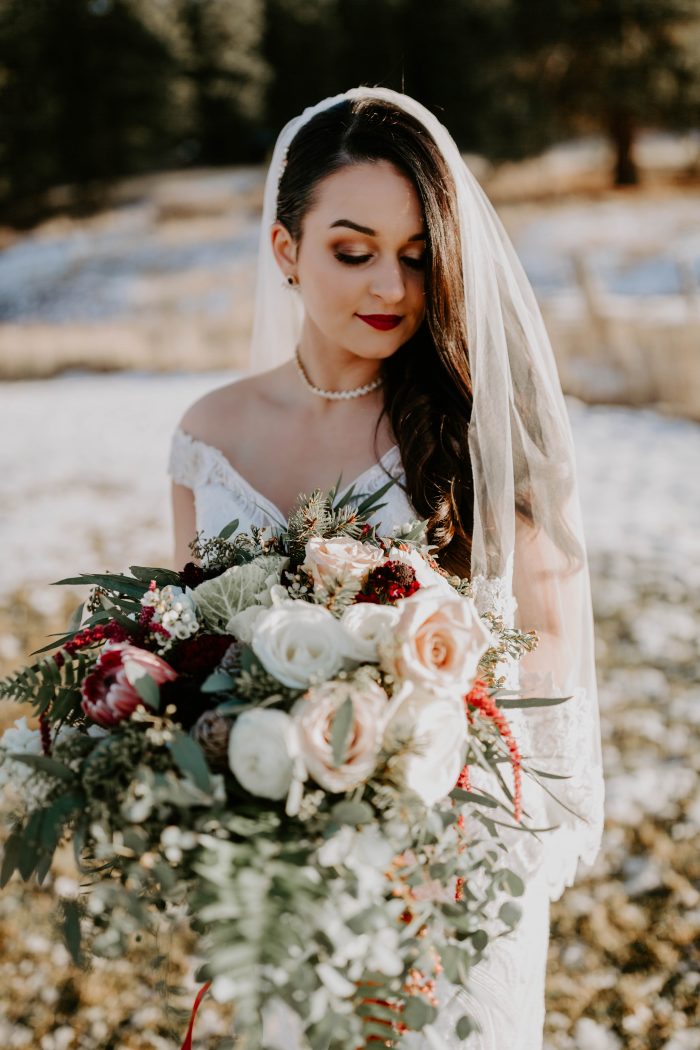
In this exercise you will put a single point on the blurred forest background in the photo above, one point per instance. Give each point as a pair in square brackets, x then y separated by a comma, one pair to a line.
[134, 138]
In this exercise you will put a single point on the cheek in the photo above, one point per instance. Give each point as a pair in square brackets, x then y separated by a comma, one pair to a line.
[329, 286]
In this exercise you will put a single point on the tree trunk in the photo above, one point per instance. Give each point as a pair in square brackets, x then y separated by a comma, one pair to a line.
[622, 132]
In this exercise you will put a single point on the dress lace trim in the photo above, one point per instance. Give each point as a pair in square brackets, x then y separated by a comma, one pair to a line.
[195, 463]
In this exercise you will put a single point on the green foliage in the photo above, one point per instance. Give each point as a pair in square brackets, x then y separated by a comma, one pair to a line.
[86, 94]
[340, 730]
[49, 688]
[190, 759]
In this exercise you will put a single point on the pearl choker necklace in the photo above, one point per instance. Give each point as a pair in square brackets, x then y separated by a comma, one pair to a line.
[335, 395]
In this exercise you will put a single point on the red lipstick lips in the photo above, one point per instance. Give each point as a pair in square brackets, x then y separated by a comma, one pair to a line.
[382, 321]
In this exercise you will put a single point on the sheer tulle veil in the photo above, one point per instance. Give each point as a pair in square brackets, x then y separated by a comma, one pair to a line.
[522, 450]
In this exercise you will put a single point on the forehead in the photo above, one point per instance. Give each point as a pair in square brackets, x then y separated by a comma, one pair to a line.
[373, 194]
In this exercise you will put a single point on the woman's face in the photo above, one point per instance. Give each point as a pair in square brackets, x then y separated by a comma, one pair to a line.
[361, 255]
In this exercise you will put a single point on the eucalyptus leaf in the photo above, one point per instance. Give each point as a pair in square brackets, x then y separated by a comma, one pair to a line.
[229, 529]
[349, 812]
[190, 759]
[479, 939]
[234, 706]
[460, 795]
[340, 731]
[465, 1026]
[515, 884]
[217, 682]
[550, 776]
[418, 1013]
[44, 764]
[149, 690]
[510, 913]
[532, 701]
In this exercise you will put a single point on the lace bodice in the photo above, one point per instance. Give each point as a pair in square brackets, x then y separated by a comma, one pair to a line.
[556, 737]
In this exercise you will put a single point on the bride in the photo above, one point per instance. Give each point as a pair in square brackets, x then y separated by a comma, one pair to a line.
[396, 336]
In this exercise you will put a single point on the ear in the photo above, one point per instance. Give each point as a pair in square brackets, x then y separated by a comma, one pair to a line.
[283, 247]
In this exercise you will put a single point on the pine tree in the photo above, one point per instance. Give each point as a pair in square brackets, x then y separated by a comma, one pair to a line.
[613, 65]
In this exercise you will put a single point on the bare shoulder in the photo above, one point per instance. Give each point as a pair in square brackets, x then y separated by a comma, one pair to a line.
[222, 414]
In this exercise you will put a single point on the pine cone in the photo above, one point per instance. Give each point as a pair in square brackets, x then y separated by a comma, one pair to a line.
[211, 731]
[231, 660]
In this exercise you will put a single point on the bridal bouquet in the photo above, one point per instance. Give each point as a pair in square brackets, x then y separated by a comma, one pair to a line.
[277, 740]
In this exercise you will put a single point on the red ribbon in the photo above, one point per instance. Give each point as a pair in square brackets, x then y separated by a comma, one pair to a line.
[187, 1045]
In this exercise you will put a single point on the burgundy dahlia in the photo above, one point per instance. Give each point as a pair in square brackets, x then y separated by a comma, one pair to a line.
[388, 583]
[200, 653]
[192, 575]
[108, 695]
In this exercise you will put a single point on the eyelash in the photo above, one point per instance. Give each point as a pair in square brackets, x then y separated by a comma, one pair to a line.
[355, 260]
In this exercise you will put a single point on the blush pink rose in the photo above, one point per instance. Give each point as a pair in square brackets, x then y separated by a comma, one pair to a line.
[108, 693]
[313, 715]
[438, 641]
[328, 558]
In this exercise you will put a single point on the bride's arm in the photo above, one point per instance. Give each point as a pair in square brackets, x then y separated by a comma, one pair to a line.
[184, 523]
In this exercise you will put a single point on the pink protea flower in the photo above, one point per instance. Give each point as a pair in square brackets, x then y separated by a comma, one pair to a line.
[108, 695]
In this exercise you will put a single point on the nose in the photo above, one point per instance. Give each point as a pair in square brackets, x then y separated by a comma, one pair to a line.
[388, 282]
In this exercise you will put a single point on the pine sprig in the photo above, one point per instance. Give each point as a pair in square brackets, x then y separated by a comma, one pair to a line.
[255, 684]
[338, 593]
[313, 517]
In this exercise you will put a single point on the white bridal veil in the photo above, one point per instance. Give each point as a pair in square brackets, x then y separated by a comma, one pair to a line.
[521, 447]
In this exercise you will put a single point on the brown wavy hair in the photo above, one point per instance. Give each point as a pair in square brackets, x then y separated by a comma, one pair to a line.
[427, 382]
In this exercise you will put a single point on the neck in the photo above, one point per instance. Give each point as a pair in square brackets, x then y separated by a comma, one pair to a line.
[333, 368]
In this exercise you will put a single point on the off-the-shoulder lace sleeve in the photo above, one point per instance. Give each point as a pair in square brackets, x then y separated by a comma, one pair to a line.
[184, 459]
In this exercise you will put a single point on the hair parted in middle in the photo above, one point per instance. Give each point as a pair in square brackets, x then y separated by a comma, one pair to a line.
[427, 381]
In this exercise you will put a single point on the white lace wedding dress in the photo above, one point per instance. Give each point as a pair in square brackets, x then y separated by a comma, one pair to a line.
[506, 993]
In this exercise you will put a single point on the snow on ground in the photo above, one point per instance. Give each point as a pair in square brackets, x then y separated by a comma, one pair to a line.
[83, 482]
[95, 269]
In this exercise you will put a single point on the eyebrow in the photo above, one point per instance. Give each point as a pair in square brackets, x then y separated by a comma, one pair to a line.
[365, 229]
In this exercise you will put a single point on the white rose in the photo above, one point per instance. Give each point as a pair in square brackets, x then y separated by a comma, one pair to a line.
[330, 558]
[367, 623]
[313, 715]
[438, 727]
[299, 643]
[438, 641]
[262, 748]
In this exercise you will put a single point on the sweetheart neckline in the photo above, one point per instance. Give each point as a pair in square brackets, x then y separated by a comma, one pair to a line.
[271, 506]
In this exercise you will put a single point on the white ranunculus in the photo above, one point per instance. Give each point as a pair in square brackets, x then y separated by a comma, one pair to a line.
[261, 751]
[314, 714]
[242, 623]
[330, 558]
[438, 641]
[299, 643]
[366, 623]
[437, 724]
[426, 576]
